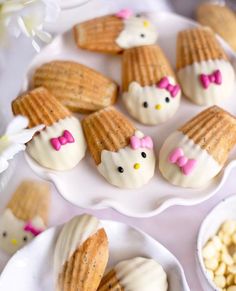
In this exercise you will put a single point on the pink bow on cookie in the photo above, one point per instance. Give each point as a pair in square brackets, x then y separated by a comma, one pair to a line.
[30, 228]
[164, 84]
[57, 142]
[145, 142]
[124, 13]
[215, 78]
[186, 165]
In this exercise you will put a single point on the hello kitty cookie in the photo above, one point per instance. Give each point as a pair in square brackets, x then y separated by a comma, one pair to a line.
[114, 33]
[61, 144]
[123, 155]
[25, 216]
[151, 93]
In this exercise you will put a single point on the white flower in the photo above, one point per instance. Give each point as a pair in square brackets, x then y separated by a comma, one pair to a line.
[14, 139]
[28, 17]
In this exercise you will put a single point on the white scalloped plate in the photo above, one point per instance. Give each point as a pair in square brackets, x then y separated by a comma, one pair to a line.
[31, 267]
[84, 186]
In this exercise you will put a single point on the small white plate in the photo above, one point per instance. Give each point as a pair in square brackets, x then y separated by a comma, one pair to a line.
[84, 186]
[31, 268]
[223, 211]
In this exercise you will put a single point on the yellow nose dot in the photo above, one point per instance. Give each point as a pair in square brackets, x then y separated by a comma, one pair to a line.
[136, 166]
[14, 242]
[146, 23]
[158, 107]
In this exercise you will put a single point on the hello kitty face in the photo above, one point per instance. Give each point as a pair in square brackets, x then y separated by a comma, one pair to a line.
[13, 235]
[151, 104]
[137, 31]
[132, 166]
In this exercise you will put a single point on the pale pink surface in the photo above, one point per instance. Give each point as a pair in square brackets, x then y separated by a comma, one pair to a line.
[176, 228]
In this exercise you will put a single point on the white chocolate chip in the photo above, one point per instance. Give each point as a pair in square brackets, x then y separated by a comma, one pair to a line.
[234, 238]
[226, 239]
[234, 257]
[217, 242]
[232, 269]
[211, 264]
[209, 250]
[230, 279]
[221, 234]
[229, 226]
[221, 269]
[227, 259]
[220, 281]
[231, 288]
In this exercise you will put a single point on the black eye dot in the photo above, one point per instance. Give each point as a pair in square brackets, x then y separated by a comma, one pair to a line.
[143, 154]
[25, 238]
[142, 35]
[4, 234]
[145, 104]
[120, 169]
[167, 99]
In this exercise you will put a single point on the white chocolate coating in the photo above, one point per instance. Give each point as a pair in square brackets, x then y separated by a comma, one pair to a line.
[214, 94]
[127, 158]
[206, 167]
[15, 236]
[73, 234]
[141, 274]
[68, 156]
[137, 31]
[161, 105]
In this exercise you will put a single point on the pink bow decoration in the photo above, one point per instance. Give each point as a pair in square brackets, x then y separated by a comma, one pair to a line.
[145, 142]
[215, 78]
[57, 142]
[164, 84]
[186, 165]
[124, 13]
[30, 228]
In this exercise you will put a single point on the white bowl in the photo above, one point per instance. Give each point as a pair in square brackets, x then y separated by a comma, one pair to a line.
[31, 267]
[223, 211]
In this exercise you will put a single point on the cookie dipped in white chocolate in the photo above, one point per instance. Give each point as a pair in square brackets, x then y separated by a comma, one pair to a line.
[73, 234]
[60, 146]
[130, 167]
[137, 31]
[207, 82]
[136, 274]
[16, 233]
[152, 104]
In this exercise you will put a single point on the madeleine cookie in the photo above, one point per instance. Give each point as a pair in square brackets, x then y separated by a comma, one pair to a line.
[25, 216]
[137, 274]
[221, 19]
[76, 86]
[123, 155]
[61, 145]
[81, 255]
[194, 154]
[114, 33]
[151, 93]
[204, 71]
